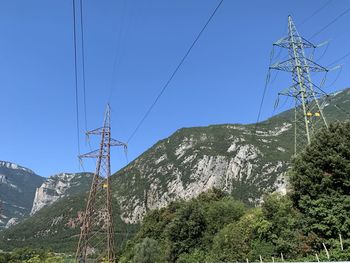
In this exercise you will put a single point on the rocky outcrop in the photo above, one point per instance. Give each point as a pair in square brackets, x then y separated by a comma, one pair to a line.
[13, 221]
[59, 186]
[3, 179]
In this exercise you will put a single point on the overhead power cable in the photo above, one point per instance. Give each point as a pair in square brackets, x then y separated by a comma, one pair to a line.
[315, 13]
[76, 78]
[83, 61]
[339, 59]
[267, 81]
[330, 23]
[174, 72]
[121, 36]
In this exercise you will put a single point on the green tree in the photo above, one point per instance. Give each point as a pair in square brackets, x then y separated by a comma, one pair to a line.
[281, 224]
[186, 230]
[194, 256]
[222, 212]
[235, 241]
[320, 179]
[148, 251]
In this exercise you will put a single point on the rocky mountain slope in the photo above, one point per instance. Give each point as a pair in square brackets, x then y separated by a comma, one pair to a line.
[23, 192]
[244, 160]
[17, 190]
[193, 160]
[58, 186]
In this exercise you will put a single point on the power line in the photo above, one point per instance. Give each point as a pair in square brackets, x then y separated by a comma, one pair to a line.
[83, 61]
[315, 13]
[120, 39]
[268, 75]
[263, 96]
[339, 59]
[330, 23]
[174, 72]
[76, 77]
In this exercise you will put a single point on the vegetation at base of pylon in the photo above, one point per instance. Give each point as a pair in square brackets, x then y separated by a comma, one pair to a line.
[217, 228]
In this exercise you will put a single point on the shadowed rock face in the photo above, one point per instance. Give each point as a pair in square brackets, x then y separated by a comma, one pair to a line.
[17, 190]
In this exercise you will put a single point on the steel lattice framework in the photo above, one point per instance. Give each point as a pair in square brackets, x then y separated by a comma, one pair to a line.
[307, 96]
[97, 240]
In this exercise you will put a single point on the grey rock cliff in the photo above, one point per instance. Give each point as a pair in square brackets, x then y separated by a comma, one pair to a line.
[59, 186]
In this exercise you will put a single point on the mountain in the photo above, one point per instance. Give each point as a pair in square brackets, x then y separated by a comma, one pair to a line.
[23, 192]
[247, 161]
[17, 190]
[58, 186]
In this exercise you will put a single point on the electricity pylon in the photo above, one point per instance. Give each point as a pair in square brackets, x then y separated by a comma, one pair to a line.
[96, 241]
[308, 109]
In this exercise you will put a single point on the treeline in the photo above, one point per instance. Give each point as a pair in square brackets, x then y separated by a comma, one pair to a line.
[312, 222]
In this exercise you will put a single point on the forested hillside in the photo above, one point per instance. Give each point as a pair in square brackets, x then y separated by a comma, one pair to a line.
[216, 228]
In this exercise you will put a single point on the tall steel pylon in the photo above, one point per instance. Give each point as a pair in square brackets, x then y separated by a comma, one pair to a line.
[97, 240]
[308, 109]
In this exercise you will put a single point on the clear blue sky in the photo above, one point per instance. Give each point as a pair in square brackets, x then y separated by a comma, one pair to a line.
[221, 81]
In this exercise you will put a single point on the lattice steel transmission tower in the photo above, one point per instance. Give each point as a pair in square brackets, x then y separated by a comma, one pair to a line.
[97, 240]
[307, 95]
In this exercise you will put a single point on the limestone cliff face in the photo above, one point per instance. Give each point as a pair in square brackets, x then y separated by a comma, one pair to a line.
[234, 158]
[13, 221]
[59, 186]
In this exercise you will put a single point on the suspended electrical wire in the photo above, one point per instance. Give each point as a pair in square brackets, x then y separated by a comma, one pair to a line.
[174, 73]
[76, 78]
[330, 23]
[120, 38]
[315, 13]
[83, 62]
[339, 59]
[267, 81]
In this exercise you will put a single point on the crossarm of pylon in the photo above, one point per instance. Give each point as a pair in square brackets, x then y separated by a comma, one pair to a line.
[97, 131]
[115, 142]
[92, 154]
[286, 65]
[286, 41]
[289, 66]
[287, 93]
[313, 66]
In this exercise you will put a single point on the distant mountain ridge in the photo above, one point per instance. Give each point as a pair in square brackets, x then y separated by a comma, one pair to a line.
[23, 192]
[17, 190]
[10, 165]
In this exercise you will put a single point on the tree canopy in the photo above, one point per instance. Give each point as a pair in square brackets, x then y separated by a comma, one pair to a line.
[320, 180]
